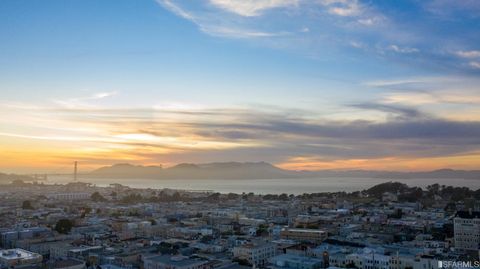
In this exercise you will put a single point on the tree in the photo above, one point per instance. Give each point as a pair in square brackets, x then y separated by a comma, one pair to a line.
[232, 196]
[85, 211]
[393, 187]
[132, 199]
[243, 262]
[97, 197]
[27, 205]
[64, 226]
[214, 197]
[206, 239]
[262, 230]
[176, 196]
[167, 248]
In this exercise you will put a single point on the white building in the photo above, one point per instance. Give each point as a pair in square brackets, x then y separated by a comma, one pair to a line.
[17, 257]
[467, 230]
[255, 254]
[70, 196]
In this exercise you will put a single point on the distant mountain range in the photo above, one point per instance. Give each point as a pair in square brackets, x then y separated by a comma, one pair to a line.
[260, 170]
[227, 170]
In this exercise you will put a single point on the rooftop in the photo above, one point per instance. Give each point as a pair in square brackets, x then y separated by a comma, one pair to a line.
[174, 260]
[67, 263]
[296, 259]
[17, 253]
[298, 230]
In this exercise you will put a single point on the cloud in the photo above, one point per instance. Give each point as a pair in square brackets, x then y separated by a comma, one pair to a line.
[101, 95]
[450, 8]
[153, 135]
[250, 8]
[453, 94]
[358, 45]
[370, 21]
[345, 8]
[475, 65]
[470, 54]
[215, 24]
[400, 112]
[385, 35]
[398, 49]
[395, 83]
[177, 10]
[239, 33]
[84, 101]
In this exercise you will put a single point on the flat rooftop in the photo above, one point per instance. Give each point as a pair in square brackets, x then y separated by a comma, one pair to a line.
[174, 260]
[17, 253]
[297, 230]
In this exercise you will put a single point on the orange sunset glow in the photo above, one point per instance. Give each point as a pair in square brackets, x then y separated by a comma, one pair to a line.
[303, 85]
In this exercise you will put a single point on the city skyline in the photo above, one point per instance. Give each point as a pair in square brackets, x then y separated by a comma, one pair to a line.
[305, 85]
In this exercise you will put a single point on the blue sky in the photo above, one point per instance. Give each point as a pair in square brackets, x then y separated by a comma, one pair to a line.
[319, 63]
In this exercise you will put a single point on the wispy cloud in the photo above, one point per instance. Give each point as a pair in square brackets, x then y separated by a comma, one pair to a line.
[333, 24]
[216, 25]
[452, 7]
[177, 10]
[440, 91]
[475, 65]
[153, 135]
[252, 7]
[399, 49]
[399, 112]
[239, 33]
[343, 7]
[470, 54]
[84, 101]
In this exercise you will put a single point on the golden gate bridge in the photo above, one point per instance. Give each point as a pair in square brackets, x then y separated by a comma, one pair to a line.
[44, 176]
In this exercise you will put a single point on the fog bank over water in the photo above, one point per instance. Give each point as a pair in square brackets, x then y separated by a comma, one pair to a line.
[270, 186]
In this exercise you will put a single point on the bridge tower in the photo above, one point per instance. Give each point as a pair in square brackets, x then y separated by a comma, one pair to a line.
[75, 171]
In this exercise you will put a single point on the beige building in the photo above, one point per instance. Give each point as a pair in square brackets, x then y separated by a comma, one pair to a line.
[304, 235]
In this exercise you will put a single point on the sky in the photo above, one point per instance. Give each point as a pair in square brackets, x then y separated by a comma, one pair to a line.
[302, 84]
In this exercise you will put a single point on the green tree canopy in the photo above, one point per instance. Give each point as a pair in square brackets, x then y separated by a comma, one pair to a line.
[27, 205]
[64, 226]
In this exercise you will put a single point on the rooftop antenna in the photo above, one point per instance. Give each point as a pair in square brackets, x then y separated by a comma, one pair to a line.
[75, 172]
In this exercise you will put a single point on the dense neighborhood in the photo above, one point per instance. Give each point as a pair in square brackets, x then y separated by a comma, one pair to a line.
[389, 226]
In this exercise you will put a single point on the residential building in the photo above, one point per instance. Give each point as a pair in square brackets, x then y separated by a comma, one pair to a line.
[257, 254]
[13, 258]
[467, 230]
[174, 262]
[304, 235]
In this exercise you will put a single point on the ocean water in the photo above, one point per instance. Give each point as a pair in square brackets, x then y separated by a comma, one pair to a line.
[272, 186]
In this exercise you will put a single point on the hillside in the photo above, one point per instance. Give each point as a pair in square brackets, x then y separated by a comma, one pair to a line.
[260, 170]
